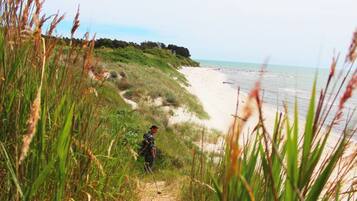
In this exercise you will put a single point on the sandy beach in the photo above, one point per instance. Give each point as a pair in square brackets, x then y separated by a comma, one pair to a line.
[219, 98]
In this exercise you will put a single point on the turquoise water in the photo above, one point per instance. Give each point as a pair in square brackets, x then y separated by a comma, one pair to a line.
[281, 84]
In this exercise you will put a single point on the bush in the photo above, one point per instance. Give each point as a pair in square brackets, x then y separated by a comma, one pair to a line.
[124, 84]
[171, 100]
[134, 94]
[113, 75]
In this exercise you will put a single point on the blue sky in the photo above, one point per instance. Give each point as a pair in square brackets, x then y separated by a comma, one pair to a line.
[302, 33]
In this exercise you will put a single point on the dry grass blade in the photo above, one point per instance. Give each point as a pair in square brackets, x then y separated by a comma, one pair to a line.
[89, 197]
[35, 113]
[91, 156]
[88, 57]
[204, 184]
[110, 147]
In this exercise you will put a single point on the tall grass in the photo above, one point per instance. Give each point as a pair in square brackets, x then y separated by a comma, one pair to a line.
[51, 120]
[292, 161]
[64, 136]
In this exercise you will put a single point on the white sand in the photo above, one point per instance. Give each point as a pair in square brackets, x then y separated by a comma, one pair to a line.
[219, 99]
[133, 104]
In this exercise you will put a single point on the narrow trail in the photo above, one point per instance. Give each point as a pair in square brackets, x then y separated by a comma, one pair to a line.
[148, 192]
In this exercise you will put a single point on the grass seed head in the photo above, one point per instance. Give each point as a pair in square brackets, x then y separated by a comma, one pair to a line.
[352, 52]
[75, 23]
[333, 67]
[56, 20]
[32, 124]
[351, 86]
[25, 15]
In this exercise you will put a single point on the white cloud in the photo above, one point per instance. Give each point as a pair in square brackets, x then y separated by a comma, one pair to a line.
[291, 32]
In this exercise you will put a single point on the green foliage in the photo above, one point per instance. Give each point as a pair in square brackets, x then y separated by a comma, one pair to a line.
[158, 58]
[151, 77]
[182, 51]
[85, 135]
[62, 152]
[10, 167]
[267, 165]
[69, 155]
[114, 44]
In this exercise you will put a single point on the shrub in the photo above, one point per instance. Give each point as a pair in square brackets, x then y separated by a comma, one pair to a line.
[124, 84]
[134, 94]
[171, 100]
[113, 75]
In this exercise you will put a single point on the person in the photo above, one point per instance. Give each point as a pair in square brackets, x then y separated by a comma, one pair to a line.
[148, 149]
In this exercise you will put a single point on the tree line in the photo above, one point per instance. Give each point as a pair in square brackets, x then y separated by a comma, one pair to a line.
[114, 43]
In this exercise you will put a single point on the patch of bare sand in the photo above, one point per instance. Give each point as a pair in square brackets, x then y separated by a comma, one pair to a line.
[148, 192]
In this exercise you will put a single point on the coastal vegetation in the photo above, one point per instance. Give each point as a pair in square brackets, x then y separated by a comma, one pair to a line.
[114, 44]
[68, 132]
[153, 74]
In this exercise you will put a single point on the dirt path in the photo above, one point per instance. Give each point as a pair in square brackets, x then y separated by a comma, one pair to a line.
[148, 192]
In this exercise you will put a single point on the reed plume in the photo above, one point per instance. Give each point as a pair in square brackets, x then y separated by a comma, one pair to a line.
[34, 114]
[75, 23]
[56, 20]
[352, 53]
[351, 86]
[25, 15]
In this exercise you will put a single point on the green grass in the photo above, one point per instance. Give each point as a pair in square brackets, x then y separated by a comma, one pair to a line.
[86, 135]
[152, 76]
[158, 58]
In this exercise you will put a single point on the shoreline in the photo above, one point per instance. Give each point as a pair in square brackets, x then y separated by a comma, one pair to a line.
[219, 98]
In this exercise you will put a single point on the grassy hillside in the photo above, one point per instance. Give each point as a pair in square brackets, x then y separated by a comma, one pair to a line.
[65, 136]
[151, 73]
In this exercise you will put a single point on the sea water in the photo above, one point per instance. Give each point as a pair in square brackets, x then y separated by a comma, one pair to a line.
[282, 84]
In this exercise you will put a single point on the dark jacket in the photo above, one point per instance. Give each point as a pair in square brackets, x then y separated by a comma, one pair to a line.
[148, 144]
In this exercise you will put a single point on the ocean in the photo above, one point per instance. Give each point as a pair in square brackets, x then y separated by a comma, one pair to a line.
[282, 84]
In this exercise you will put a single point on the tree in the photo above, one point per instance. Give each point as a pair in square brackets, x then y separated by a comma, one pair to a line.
[179, 50]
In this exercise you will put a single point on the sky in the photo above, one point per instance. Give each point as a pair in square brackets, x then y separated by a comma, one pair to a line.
[291, 32]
